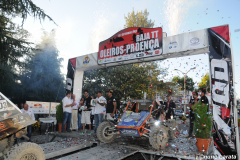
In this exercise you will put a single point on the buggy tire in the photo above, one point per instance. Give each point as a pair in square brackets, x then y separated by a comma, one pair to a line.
[101, 132]
[24, 151]
[159, 137]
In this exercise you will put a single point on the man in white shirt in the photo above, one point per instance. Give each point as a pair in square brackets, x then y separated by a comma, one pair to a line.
[67, 111]
[74, 113]
[98, 111]
[28, 110]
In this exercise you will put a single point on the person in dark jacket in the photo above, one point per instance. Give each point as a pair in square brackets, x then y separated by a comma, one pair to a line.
[169, 109]
[191, 116]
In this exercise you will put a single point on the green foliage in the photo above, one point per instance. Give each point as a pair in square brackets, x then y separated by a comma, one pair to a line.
[205, 82]
[203, 121]
[184, 118]
[140, 19]
[22, 8]
[238, 120]
[14, 47]
[127, 80]
[180, 82]
[59, 112]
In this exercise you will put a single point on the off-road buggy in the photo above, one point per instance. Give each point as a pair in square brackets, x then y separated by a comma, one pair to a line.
[13, 124]
[139, 124]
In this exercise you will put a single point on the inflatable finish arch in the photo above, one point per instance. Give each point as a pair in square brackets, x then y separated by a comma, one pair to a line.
[215, 41]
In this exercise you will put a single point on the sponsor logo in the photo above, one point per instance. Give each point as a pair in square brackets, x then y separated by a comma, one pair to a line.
[128, 120]
[114, 59]
[157, 52]
[120, 58]
[173, 45]
[194, 41]
[100, 61]
[86, 60]
[131, 132]
[140, 55]
[149, 53]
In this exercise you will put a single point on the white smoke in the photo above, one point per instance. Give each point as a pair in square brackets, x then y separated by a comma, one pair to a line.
[100, 28]
[175, 14]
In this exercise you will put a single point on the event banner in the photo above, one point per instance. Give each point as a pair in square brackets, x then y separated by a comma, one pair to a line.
[131, 43]
[221, 64]
[39, 107]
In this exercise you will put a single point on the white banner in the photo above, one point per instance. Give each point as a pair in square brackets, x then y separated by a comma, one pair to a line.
[39, 107]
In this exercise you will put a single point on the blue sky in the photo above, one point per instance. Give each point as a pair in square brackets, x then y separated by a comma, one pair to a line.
[83, 24]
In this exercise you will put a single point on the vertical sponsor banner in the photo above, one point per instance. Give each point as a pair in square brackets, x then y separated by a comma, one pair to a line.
[222, 90]
[70, 74]
[131, 43]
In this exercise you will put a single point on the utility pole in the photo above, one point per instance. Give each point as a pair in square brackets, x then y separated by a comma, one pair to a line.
[184, 91]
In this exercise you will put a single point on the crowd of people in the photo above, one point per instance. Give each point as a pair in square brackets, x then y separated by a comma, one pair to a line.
[79, 115]
[168, 111]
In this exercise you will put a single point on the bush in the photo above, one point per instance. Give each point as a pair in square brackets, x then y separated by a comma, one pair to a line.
[238, 120]
[59, 112]
[184, 118]
[203, 121]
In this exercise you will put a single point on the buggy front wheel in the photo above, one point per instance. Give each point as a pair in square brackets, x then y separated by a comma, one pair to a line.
[103, 132]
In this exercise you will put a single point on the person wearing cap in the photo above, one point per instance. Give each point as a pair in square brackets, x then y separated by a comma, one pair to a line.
[192, 117]
[98, 112]
[169, 109]
[111, 105]
[204, 99]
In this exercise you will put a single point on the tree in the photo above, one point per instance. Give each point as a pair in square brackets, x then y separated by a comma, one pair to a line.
[140, 19]
[205, 82]
[180, 82]
[203, 121]
[127, 80]
[42, 79]
[13, 44]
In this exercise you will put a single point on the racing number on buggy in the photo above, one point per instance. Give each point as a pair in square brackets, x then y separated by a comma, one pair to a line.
[2, 125]
[3, 105]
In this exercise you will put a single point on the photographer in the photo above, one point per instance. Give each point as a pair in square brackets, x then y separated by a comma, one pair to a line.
[191, 103]
[169, 109]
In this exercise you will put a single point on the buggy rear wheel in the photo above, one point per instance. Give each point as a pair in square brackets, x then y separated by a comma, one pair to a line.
[25, 151]
[159, 137]
[103, 133]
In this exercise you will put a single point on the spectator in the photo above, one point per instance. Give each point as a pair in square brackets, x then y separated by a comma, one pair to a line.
[80, 113]
[67, 111]
[98, 112]
[28, 110]
[74, 113]
[21, 106]
[86, 113]
[204, 99]
[192, 118]
[170, 106]
[111, 105]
